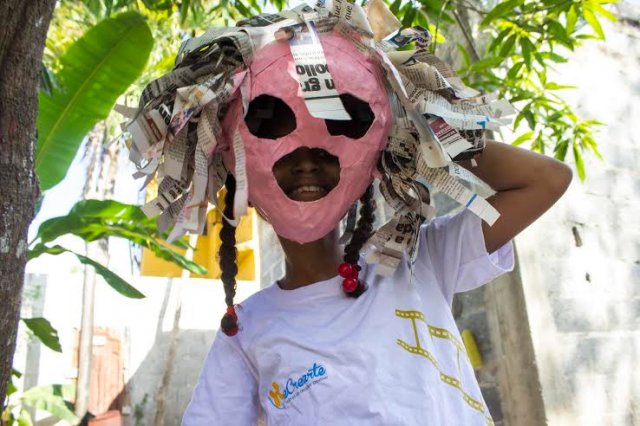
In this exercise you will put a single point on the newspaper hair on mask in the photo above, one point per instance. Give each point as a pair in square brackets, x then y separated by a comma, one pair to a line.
[189, 130]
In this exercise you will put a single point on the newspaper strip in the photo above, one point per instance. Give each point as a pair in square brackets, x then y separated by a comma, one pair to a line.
[431, 150]
[149, 129]
[217, 178]
[449, 137]
[382, 21]
[240, 201]
[174, 156]
[169, 191]
[460, 89]
[418, 35]
[209, 129]
[425, 76]
[456, 170]
[178, 228]
[200, 174]
[402, 142]
[353, 14]
[350, 224]
[146, 168]
[189, 101]
[318, 87]
[447, 184]
[168, 217]
[399, 235]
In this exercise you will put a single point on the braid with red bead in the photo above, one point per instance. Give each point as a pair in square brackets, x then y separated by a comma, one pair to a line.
[349, 270]
[227, 260]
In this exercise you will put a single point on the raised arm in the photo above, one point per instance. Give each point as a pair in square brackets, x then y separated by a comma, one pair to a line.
[527, 185]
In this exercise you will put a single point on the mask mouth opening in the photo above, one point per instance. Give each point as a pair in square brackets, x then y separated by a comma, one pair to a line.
[307, 174]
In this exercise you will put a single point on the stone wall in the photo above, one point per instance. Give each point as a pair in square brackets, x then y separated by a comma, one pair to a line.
[580, 264]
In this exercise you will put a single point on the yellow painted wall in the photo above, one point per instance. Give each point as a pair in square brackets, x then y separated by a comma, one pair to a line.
[206, 252]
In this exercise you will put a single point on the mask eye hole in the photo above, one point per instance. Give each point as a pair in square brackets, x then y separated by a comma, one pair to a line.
[361, 118]
[269, 117]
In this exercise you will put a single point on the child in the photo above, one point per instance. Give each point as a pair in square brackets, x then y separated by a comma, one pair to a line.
[340, 341]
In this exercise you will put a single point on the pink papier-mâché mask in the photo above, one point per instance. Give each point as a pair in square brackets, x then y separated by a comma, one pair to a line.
[272, 72]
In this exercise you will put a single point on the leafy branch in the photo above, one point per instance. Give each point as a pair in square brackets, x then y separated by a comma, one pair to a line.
[524, 41]
[92, 220]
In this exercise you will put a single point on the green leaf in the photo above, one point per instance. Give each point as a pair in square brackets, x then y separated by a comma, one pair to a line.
[572, 18]
[95, 219]
[507, 47]
[170, 255]
[591, 144]
[24, 418]
[593, 21]
[466, 59]
[577, 156]
[538, 144]
[51, 398]
[11, 387]
[498, 40]
[559, 34]
[41, 249]
[531, 120]
[561, 150]
[501, 10]
[522, 138]
[485, 63]
[43, 330]
[184, 10]
[395, 6]
[111, 278]
[604, 12]
[407, 20]
[114, 280]
[96, 70]
[514, 70]
[527, 49]
[107, 209]
[555, 86]
[86, 220]
[555, 57]
[158, 5]
[48, 82]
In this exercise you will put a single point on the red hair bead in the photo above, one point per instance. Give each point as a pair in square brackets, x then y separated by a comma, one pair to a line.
[230, 322]
[350, 284]
[346, 270]
[231, 311]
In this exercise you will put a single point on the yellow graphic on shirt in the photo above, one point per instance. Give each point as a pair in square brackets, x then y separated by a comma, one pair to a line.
[440, 333]
[276, 395]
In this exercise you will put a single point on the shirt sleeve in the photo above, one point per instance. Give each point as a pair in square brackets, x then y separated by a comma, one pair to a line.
[452, 246]
[226, 393]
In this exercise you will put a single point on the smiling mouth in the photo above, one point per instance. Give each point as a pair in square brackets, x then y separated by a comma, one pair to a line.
[307, 193]
[307, 174]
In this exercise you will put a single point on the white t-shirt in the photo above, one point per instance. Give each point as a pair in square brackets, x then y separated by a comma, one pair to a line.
[393, 356]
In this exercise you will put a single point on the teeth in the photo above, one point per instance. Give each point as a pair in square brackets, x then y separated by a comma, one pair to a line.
[307, 188]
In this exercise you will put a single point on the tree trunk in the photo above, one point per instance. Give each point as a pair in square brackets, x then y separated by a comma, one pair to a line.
[22, 36]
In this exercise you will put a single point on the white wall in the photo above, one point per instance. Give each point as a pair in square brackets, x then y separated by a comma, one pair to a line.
[580, 263]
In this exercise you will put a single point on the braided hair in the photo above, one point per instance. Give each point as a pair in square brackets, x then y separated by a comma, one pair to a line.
[228, 253]
[227, 258]
[350, 268]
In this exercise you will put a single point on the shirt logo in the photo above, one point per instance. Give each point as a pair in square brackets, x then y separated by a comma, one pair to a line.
[280, 396]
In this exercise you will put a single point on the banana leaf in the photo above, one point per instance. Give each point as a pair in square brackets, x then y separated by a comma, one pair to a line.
[96, 70]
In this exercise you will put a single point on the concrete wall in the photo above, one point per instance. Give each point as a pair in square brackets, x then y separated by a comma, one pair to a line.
[580, 264]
